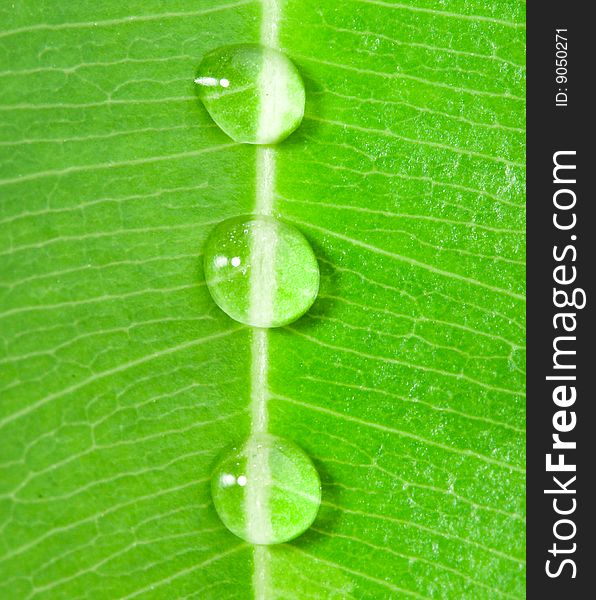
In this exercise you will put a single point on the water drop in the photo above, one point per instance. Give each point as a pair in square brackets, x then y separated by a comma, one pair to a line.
[260, 271]
[255, 94]
[266, 490]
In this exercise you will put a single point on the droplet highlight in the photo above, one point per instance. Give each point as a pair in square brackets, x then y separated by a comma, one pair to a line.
[266, 490]
[255, 94]
[260, 271]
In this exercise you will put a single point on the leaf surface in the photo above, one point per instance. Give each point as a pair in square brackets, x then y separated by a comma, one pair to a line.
[121, 381]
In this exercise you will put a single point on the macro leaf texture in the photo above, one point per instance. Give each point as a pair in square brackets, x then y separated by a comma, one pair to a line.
[122, 382]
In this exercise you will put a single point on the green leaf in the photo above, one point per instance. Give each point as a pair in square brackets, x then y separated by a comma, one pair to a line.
[121, 381]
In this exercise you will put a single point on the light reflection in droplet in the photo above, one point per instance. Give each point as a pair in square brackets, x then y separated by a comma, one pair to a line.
[221, 261]
[227, 480]
[206, 81]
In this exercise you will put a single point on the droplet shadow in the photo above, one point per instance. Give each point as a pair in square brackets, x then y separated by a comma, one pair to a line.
[325, 302]
[328, 514]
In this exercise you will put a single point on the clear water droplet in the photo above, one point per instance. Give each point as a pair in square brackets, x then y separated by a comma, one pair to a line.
[260, 271]
[255, 94]
[266, 490]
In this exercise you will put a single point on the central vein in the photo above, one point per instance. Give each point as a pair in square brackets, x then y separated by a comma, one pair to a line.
[261, 305]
